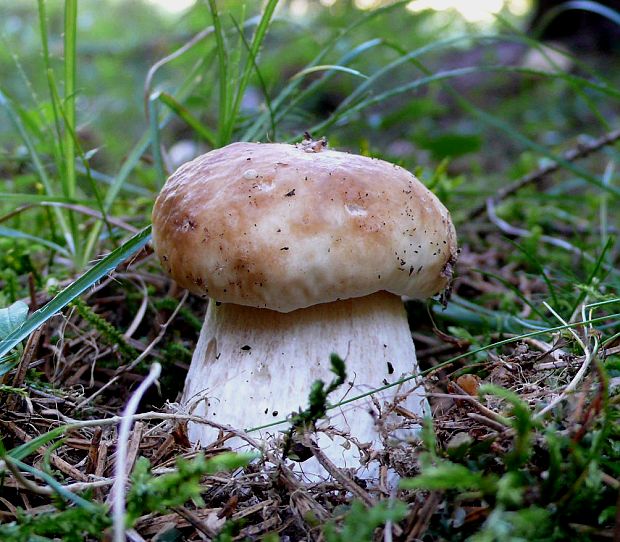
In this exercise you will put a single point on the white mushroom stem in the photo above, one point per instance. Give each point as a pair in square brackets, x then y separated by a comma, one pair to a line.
[254, 366]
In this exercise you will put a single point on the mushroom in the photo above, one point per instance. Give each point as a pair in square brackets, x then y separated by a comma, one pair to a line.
[303, 252]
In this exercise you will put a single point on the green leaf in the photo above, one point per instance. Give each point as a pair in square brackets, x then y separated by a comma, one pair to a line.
[12, 317]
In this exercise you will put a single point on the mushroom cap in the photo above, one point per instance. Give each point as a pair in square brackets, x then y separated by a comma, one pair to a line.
[283, 227]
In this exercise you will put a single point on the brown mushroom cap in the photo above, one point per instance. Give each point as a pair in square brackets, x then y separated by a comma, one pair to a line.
[282, 227]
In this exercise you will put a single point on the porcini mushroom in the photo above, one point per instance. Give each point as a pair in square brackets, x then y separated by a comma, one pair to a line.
[303, 252]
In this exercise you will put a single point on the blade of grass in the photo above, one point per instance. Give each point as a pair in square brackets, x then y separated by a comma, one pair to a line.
[598, 265]
[252, 132]
[78, 148]
[604, 206]
[261, 81]
[507, 284]
[329, 67]
[222, 58]
[55, 485]
[471, 315]
[134, 156]
[250, 65]
[469, 107]
[70, 70]
[540, 270]
[235, 50]
[39, 198]
[313, 88]
[95, 273]
[27, 448]
[155, 139]
[38, 166]
[107, 179]
[58, 150]
[16, 234]
[442, 77]
[185, 114]
[543, 50]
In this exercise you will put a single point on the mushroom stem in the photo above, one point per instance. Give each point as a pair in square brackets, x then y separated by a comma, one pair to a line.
[253, 366]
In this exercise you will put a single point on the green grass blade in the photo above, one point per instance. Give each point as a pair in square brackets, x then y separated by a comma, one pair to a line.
[78, 148]
[95, 273]
[253, 132]
[185, 114]
[27, 448]
[100, 177]
[515, 290]
[13, 197]
[127, 167]
[69, 91]
[16, 234]
[598, 266]
[55, 485]
[38, 165]
[330, 67]
[584, 69]
[540, 270]
[58, 150]
[70, 70]
[511, 131]
[487, 118]
[134, 158]
[222, 57]
[315, 85]
[158, 159]
[255, 45]
[261, 81]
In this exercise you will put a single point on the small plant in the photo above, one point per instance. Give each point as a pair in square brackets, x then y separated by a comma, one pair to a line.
[70, 525]
[547, 485]
[148, 494]
[151, 493]
[107, 331]
[317, 408]
[360, 522]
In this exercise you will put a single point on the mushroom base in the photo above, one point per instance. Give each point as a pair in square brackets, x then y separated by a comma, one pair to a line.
[253, 366]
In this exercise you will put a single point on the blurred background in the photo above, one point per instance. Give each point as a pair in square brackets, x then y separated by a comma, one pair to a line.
[119, 40]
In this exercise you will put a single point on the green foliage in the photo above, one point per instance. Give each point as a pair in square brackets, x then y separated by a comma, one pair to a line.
[522, 422]
[546, 481]
[446, 475]
[360, 522]
[151, 493]
[148, 494]
[525, 525]
[317, 407]
[107, 331]
[317, 398]
[70, 525]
